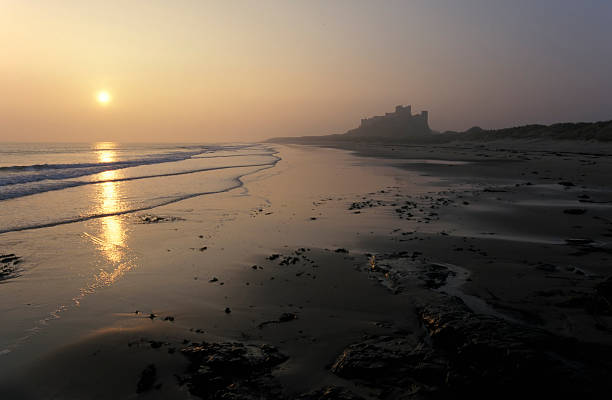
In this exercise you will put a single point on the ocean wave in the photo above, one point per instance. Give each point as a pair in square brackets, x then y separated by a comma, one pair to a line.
[16, 191]
[19, 174]
[234, 183]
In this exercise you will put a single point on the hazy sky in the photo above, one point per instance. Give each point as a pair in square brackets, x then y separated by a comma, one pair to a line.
[203, 71]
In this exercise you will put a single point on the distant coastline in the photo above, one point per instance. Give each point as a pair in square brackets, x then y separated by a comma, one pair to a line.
[402, 126]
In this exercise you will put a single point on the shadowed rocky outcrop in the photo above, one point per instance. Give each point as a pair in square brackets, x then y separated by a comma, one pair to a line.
[232, 370]
[463, 355]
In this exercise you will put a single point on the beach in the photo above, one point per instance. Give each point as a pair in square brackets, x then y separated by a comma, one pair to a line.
[341, 272]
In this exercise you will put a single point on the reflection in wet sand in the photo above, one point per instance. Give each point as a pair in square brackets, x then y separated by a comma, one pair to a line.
[113, 231]
[111, 241]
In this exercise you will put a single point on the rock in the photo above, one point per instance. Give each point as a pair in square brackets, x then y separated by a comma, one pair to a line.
[566, 183]
[7, 258]
[495, 355]
[227, 310]
[547, 267]
[604, 289]
[287, 260]
[341, 250]
[284, 317]
[232, 371]
[603, 293]
[436, 275]
[578, 241]
[597, 303]
[213, 279]
[154, 219]
[467, 355]
[8, 266]
[147, 379]
[330, 393]
[373, 359]
[574, 211]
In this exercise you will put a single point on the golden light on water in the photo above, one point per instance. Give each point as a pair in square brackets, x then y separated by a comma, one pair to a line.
[113, 232]
[106, 156]
[111, 239]
[106, 153]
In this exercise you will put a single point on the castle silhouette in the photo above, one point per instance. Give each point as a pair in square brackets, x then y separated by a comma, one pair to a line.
[400, 123]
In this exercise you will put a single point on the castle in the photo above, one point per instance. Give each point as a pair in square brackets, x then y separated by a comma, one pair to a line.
[400, 123]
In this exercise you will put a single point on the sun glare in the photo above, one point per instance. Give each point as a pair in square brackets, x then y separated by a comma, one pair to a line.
[103, 97]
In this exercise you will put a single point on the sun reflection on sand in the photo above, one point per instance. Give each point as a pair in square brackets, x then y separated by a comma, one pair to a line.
[112, 238]
[113, 231]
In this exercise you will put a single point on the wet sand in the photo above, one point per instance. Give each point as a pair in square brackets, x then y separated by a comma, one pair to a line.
[399, 272]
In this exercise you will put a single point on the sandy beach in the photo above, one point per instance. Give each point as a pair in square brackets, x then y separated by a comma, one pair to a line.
[381, 272]
[305, 200]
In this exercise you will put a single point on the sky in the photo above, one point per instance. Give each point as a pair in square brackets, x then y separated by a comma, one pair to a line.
[220, 71]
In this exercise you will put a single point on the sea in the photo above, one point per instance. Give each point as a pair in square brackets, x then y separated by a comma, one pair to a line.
[66, 249]
[47, 184]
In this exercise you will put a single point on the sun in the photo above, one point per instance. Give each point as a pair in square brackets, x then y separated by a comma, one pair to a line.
[103, 97]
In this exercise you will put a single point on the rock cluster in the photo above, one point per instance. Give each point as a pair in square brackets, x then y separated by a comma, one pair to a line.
[232, 370]
[470, 355]
[9, 266]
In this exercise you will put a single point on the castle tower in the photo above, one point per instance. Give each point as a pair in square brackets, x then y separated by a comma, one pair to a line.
[401, 109]
[425, 116]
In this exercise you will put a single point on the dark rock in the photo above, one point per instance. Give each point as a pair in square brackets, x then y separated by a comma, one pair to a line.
[147, 379]
[374, 359]
[341, 251]
[574, 211]
[330, 393]
[154, 219]
[496, 355]
[284, 317]
[8, 266]
[578, 241]
[213, 279]
[604, 289]
[227, 310]
[7, 258]
[232, 371]
[566, 183]
[603, 293]
[289, 260]
[436, 275]
[467, 355]
[547, 267]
